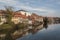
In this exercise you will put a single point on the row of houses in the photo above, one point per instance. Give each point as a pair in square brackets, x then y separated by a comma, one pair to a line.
[22, 16]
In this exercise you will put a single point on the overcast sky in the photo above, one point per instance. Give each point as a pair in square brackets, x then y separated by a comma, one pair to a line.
[40, 7]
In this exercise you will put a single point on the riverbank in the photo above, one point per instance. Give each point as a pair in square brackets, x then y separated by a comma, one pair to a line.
[17, 32]
[21, 32]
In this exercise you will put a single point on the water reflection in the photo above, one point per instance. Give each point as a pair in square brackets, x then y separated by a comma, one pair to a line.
[45, 25]
[31, 29]
[36, 29]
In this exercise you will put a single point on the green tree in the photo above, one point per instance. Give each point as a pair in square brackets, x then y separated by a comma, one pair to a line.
[9, 13]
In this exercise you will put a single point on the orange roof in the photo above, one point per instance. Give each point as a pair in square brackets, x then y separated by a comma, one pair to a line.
[19, 15]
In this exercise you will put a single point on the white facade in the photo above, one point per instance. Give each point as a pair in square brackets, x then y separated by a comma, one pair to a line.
[25, 13]
[22, 12]
[28, 14]
[15, 20]
[3, 19]
[30, 22]
[40, 19]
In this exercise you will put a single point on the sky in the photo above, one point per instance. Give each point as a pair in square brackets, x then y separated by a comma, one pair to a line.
[49, 8]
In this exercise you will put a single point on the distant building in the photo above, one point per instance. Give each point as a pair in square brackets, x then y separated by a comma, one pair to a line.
[37, 17]
[19, 18]
[2, 16]
[16, 20]
[22, 16]
[23, 12]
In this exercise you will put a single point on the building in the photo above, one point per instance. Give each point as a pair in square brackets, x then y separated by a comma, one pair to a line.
[37, 17]
[2, 16]
[23, 12]
[19, 18]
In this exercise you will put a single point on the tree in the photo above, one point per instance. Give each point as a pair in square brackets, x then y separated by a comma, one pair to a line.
[9, 13]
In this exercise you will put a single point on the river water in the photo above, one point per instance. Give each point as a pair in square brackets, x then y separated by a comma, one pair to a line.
[49, 32]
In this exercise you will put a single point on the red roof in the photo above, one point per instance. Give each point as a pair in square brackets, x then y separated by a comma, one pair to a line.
[19, 15]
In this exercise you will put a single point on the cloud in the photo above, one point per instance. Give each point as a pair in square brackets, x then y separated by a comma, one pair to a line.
[16, 4]
[58, 2]
[46, 9]
[40, 11]
[8, 2]
[35, 8]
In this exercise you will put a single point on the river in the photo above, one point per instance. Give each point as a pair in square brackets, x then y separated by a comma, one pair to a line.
[49, 32]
